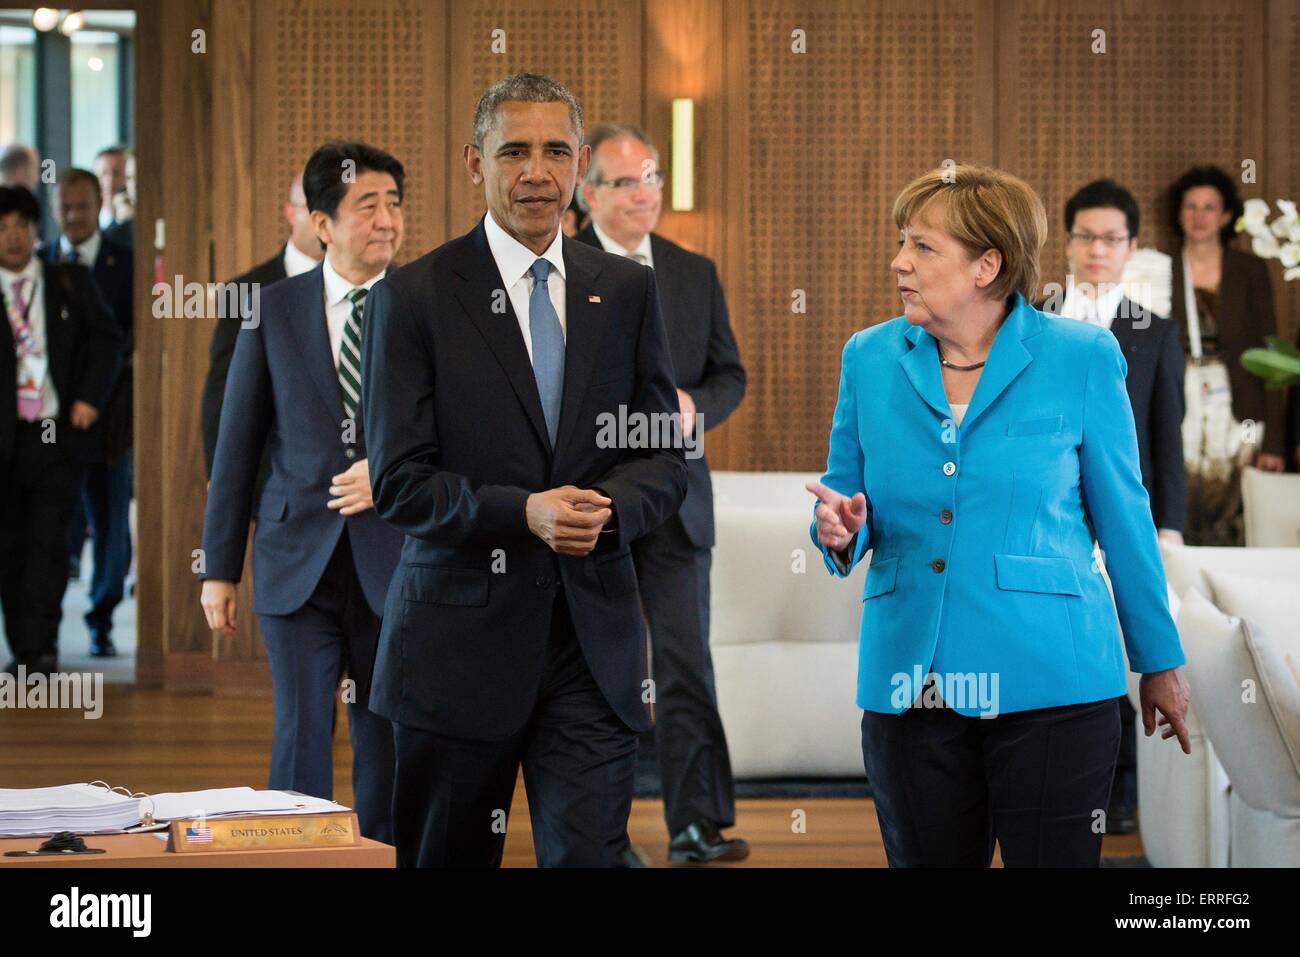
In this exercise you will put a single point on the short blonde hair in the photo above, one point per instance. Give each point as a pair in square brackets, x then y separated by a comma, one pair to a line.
[985, 209]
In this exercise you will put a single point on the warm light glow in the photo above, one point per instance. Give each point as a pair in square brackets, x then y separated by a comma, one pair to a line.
[683, 154]
[95, 63]
[45, 19]
[73, 22]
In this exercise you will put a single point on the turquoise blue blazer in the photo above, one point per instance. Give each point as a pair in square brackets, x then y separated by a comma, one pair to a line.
[981, 534]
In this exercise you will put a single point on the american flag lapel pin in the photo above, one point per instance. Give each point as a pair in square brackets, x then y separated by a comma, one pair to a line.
[593, 299]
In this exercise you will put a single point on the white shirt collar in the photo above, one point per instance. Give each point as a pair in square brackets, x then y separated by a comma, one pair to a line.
[514, 259]
[297, 262]
[87, 250]
[32, 271]
[337, 288]
[1101, 309]
[611, 246]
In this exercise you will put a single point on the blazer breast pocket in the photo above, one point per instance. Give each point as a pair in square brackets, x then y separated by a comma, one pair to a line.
[606, 379]
[882, 575]
[1047, 425]
[446, 585]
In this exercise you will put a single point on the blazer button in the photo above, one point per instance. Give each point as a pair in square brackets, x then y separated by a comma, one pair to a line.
[949, 468]
[938, 565]
[350, 453]
[541, 581]
[946, 516]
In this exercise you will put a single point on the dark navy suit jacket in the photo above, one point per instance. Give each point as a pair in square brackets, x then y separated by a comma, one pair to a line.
[458, 441]
[283, 393]
[113, 273]
[1155, 390]
[706, 361]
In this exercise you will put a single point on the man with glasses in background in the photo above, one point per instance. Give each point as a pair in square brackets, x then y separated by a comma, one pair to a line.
[623, 191]
[1102, 222]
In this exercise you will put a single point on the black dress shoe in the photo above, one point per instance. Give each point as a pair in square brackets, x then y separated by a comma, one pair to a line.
[43, 664]
[701, 842]
[101, 646]
[1121, 815]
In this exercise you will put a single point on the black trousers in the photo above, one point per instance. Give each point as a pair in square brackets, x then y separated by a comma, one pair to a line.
[1037, 782]
[308, 651]
[1128, 735]
[452, 798]
[690, 744]
[42, 486]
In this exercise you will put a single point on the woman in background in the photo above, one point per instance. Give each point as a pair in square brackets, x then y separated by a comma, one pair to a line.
[1223, 305]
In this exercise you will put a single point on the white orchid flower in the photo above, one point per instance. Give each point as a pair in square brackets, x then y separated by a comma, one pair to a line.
[1255, 216]
[1265, 245]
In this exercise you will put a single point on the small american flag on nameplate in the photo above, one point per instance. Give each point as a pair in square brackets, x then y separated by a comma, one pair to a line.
[198, 835]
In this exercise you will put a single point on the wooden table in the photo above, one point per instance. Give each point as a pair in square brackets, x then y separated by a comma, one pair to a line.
[146, 850]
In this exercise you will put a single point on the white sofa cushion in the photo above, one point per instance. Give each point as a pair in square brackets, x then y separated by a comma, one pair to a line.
[1271, 503]
[1185, 566]
[1247, 738]
[1270, 611]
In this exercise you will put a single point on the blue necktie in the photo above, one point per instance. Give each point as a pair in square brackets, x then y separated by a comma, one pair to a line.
[548, 347]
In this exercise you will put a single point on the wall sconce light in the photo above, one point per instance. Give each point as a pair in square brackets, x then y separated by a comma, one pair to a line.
[683, 154]
[45, 19]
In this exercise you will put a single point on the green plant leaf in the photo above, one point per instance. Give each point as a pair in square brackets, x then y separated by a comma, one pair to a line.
[1276, 369]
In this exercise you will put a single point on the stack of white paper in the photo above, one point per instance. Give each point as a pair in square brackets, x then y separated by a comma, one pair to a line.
[90, 809]
[232, 802]
[83, 808]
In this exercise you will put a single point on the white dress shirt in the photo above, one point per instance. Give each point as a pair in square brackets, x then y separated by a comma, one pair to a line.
[1098, 310]
[515, 262]
[297, 262]
[642, 249]
[35, 295]
[87, 250]
[338, 307]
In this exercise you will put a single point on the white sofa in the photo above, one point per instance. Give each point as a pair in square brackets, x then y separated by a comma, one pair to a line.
[1271, 502]
[783, 634]
[1186, 802]
[1243, 655]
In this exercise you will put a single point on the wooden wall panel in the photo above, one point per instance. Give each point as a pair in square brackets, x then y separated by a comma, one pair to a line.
[682, 60]
[591, 46]
[150, 600]
[1282, 179]
[187, 157]
[1181, 84]
[370, 70]
[820, 143]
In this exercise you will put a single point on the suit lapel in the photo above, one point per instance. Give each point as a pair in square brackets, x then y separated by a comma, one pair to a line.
[1127, 312]
[584, 330]
[1007, 359]
[59, 345]
[921, 363]
[481, 285]
[311, 329]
